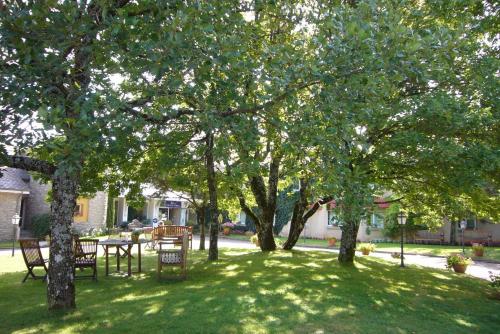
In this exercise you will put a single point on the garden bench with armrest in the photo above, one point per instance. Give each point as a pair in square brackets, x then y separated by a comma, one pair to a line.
[171, 231]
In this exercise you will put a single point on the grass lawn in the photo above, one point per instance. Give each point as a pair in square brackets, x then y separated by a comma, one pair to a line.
[252, 292]
[489, 252]
[300, 242]
[8, 244]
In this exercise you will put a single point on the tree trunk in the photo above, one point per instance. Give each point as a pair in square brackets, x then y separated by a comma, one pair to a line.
[453, 233]
[61, 287]
[299, 218]
[200, 215]
[265, 233]
[348, 242]
[213, 251]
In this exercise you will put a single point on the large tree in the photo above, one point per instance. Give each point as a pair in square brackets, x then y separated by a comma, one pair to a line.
[412, 112]
[57, 98]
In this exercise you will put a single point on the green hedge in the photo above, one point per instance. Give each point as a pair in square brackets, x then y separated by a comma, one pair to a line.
[41, 225]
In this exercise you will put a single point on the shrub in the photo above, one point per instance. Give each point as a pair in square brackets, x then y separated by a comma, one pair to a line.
[457, 259]
[477, 247]
[228, 224]
[41, 225]
[396, 255]
[495, 285]
[495, 280]
[255, 239]
[367, 247]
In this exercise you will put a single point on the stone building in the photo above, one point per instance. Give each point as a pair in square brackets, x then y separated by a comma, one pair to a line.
[21, 194]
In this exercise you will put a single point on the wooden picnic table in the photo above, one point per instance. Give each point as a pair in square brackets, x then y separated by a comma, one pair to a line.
[126, 247]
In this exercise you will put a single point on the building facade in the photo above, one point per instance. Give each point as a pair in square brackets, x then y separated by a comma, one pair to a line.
[169, 205]
[22, 195]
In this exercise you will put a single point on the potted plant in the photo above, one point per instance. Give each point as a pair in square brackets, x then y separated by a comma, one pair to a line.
[366, 248]
[478, 249]
[331, 241]
[227, 228]
[396, 255]
[495, 285]
[255, 240]
[458, 262]
[135, 235]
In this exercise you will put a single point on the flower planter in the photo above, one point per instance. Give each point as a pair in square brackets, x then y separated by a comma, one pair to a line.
[226, 231]
[135, 238]
[365, 252]
[332, 242]
[459, 268]
[478, 252]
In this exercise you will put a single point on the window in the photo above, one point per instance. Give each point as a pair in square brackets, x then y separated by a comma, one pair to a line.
[377, 220]
[471, 224]
[333, 219]
[81, 210]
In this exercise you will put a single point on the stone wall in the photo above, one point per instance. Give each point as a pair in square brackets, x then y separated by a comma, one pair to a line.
[10, 204]
[36, 202]
[98, 206]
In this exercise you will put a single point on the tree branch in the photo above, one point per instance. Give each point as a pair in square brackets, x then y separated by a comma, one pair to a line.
[30, 164]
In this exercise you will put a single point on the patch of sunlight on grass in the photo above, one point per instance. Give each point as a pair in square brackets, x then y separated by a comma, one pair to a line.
[265, 292]
[273, 320]
[361, 266]
[153, 309]
[378, 302]
[232, 267]
[312, 265]
[135, 297]
[333, 277]
[317, 277]
[284, 288]
[179, 311]
[464, 322]
[441, 276]
[243, 284]
[333, 311]
[246, 299]
[238, 252]
[209, 299]
[274, 263]
[252, 326]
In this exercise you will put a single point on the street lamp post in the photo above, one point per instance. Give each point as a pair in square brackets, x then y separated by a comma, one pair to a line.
[15, 224]
[402, 222]
[463, 226]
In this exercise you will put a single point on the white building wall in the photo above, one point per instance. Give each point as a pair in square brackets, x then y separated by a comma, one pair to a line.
[317, 228]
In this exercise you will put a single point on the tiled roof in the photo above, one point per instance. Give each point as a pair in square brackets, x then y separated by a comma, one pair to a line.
[14, 179]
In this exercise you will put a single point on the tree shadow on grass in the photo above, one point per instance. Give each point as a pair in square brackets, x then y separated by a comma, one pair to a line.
[248, 291]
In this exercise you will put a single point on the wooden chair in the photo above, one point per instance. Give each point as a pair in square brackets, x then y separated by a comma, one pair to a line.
[171, 231]
[148, 234]
[33, 257]
[174, 257]
[86, 256]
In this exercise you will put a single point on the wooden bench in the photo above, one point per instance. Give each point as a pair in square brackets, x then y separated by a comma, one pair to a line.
[430, 240]
[171, 231]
